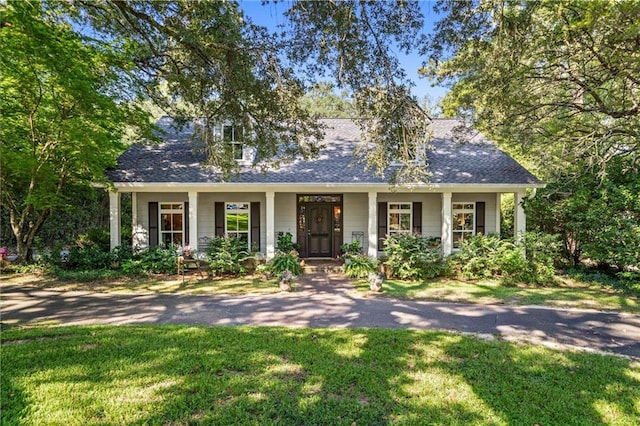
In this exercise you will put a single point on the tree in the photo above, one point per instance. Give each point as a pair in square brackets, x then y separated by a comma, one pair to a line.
[555, 80]
[61, 126]
[76, 69]
[322, 101]
[216, 61]
[597, 219]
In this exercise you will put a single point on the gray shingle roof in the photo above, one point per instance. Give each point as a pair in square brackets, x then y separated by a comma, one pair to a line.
[476, 161]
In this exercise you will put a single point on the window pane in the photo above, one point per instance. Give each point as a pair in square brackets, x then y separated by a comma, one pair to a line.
[237, 151]
[232, 222]
[177, 222]
[394, 221]
[463, 221]
[166, 238]
[227, 133]
[165, 206]
[177, 238]
[405, 222]
[165, 222]
[243, 221]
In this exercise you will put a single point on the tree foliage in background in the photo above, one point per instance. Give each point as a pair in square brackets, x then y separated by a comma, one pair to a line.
[73, 71]
[322, 101]
[598, 220]
[355, 42]
[557, 81]
[62, 124]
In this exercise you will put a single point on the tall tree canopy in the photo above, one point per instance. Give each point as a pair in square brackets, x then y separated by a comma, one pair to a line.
[73, 72]
[61, 123]
[558, 80]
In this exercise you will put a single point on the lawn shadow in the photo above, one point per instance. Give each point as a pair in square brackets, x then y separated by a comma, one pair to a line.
[249, 375]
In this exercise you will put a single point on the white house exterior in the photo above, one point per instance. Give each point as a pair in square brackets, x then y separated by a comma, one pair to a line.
[323, 202]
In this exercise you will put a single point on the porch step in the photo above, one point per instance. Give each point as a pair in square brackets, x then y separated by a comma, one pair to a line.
[326, 266]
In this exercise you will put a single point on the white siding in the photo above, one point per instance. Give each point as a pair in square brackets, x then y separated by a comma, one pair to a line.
[431, 206]
[490, 207]
[285, 214]
[354, 216]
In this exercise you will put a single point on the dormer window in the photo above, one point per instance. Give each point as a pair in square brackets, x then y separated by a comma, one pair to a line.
[233, 135]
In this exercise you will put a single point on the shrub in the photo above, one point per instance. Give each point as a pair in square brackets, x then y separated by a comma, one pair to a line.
[285, 242]
[486, 256]
[95, 237]
[285, 261]
[351, 249]
[88, 258]
[154, 260]
[413, 257]
[359, 266]
[227, 256]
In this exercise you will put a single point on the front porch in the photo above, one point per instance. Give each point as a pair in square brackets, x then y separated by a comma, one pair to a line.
[320, 221]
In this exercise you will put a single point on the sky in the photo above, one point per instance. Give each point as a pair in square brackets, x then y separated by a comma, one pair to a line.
[270, 15]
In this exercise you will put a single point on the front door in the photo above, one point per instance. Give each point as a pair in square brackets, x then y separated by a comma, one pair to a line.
[319, 220]
[319, 235]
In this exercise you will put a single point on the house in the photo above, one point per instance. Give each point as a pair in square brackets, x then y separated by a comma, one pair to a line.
[323, 202]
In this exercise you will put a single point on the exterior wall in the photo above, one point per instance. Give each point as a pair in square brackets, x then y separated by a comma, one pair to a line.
[206, 211]
[355, 211]
[355, 216]
[285, 214]
[490, 207]
[431, 206]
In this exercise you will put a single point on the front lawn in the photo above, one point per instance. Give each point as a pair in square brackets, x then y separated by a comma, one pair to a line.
[256, 376]
[566, 293]
[191, 284]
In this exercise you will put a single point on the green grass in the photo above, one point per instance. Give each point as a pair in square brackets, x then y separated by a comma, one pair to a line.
[192, 284]
[260, 376]
[566, 293]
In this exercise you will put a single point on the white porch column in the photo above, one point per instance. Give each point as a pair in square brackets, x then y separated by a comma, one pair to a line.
[445, 234]
[270, 219]
[193, 219]
[519, 218]
[114, 218]
[498, 218]
[372, 229]
[135, 232]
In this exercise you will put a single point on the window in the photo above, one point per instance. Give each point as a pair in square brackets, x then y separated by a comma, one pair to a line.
[237, 221]
[233, 135]
[463, 218]
[172, 223]
[399, 218]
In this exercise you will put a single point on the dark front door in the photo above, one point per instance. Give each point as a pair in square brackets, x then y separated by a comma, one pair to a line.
[319, 234]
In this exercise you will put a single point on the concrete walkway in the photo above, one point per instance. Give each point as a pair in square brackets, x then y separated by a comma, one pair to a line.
[327, 300]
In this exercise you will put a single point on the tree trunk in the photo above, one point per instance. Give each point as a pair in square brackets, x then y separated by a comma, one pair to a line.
[25, 233]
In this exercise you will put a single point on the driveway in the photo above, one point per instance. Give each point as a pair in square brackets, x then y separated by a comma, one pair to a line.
[327, 301]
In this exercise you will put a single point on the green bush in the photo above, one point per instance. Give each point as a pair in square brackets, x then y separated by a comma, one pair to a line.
[351, 249]
[284, 261]
[154, 260]
[285, 242]
[88, 258]
[487, 256]
[359, 266]
[411, 257]
[227, 256]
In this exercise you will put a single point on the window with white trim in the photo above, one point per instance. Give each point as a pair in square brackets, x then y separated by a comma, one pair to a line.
[233, 135]
[399, 218]
[463, 222]
[172, 223]
[238, 221]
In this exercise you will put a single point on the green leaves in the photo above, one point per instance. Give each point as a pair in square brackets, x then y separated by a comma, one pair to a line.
[60, 123]
[553, 81]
